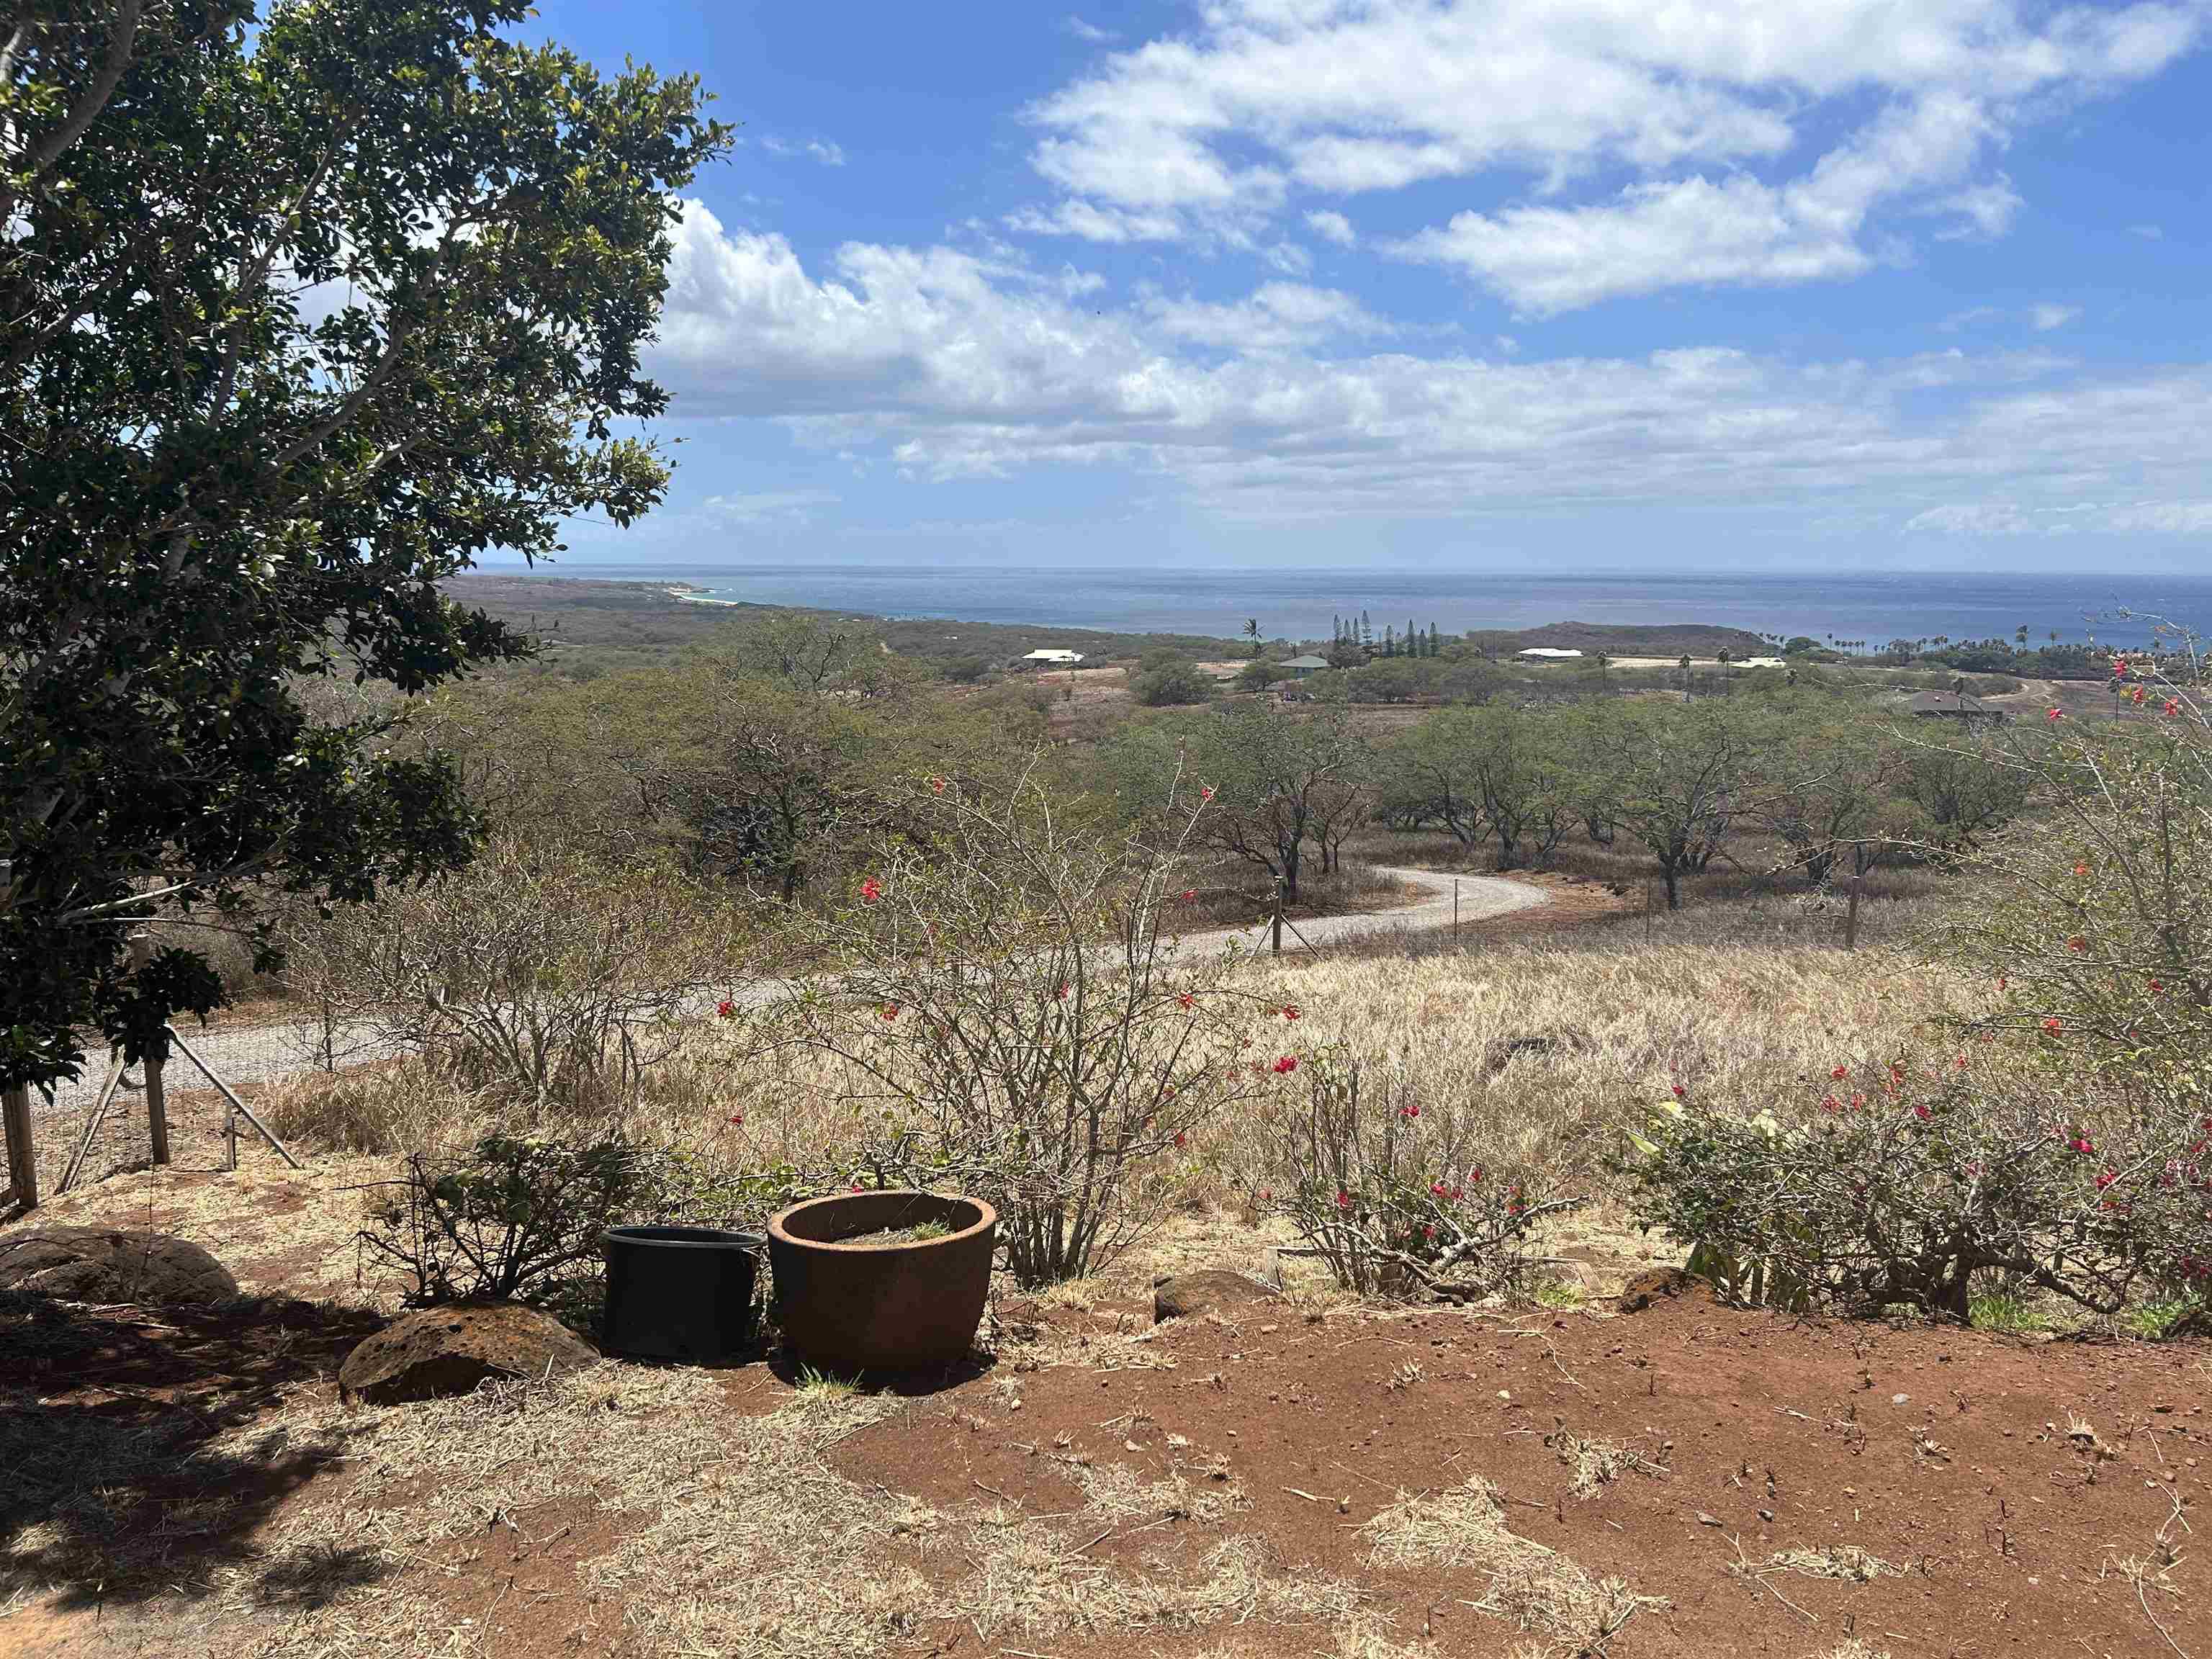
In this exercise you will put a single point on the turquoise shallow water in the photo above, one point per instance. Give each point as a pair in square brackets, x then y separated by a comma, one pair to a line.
[1300, 602]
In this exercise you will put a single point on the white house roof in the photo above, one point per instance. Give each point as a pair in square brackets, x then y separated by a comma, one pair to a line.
[1307, 661]
[1765, 662]
[1054, 656]
[1548, 651]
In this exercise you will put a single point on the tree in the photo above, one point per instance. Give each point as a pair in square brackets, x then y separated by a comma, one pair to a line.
[1264, 772]
[304, 311]
[1252, 633]
[1669, 775]
[1821, 780]
[1171, 684]
[1490, 772]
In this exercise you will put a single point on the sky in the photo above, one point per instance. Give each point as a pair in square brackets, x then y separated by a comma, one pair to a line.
[1799, 285]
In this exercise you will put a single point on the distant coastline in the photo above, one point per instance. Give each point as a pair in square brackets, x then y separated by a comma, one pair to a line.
[1308, 604]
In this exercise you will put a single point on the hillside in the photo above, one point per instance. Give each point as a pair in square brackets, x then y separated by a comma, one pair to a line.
[1697, 640]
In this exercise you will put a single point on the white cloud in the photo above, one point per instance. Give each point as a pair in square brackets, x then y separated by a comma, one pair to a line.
[1331, 227]
[2046, 315]
[1283, 403]
[1276, 318]
[1082, 31]
[2148, 233]
[765, 507]
[818, 149]
[1704, 106]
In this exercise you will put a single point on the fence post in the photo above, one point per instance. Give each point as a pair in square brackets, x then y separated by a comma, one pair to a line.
[22, 1156]
[1455, 912]
[157, 1100]
[1279, 916]
[1851, 916]
[1647, 910]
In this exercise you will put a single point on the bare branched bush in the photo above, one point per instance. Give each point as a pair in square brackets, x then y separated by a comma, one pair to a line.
[538, 973]
[1002, 983]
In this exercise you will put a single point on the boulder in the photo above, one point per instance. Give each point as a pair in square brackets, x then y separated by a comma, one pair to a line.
[1653, 1286]
[435, 1352]
[1214, 1290]
[106, 1264]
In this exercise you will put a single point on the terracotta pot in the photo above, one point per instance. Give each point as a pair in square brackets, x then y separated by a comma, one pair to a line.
[847, 1305]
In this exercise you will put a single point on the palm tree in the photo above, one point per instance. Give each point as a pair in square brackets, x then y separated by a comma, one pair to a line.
[1723, 658]
[1252, 633]
[1685, 666]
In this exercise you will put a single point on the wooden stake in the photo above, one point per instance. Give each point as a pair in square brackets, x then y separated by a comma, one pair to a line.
[1851, 916]
[22, 1160]
[1278, 918]
[157, 1099]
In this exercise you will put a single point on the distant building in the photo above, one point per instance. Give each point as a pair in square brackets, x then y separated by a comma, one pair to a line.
[1299, 668]
[1953, 706]
[1549, 653]
[1050, 659]
[1764, 662]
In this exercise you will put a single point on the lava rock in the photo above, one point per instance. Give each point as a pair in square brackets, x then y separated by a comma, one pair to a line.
[1655, 1285]
[1215, 1290]
[106, 1264]
[436, 1352]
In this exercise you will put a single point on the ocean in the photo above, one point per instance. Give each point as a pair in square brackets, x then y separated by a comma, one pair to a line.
[1300, 603]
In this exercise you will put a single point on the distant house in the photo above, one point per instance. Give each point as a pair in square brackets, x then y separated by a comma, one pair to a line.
[1299, 668]
[1050, 659]
[1953, 706]
[1762, 662]
[1549, 654]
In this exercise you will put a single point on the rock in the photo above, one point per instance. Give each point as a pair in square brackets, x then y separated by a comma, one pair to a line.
[436, 1352]
[1654, 1285]
[1215, 1290]
[104, 1264]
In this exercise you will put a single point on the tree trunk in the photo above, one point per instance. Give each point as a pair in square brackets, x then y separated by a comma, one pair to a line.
[1669, 870]
[1291, 874]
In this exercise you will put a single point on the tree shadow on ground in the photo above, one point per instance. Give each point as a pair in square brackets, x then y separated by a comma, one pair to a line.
[136, 1468]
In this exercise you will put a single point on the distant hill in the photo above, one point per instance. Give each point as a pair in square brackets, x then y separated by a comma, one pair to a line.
[1625, 640]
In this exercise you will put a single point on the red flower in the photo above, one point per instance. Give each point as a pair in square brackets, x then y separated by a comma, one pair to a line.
[2135, 697]
[1343, 1199]
[727, 1010]
[1186, 1000]
[1190, 895]
[1290, 1013]
[1286, 1065]
[1205, 792]
[738, 1118]
[2172, 706]
[871, 890]
[2077, 944]
[1266, 1195]
[2156, 986]
[1830, 1103]
[1858, 1102]
[1436, 1189]
[2056, 715]
[2119, 668]
[1840, 1072]
[937, 784]
[890, 1010]
[1678, 1091]
[1409, 1110]
[1429, 1231]
[1922, 1112]
[2052, 1026]
[2107, 1179]
[1182, 1140]
[858, 1188]
[2082, 868]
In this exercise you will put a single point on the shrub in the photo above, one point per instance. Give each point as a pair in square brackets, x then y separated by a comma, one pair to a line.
[1172, 684]
[1025, 1030]
[514, 1219]
[1902, 1190]
[1391, 1204]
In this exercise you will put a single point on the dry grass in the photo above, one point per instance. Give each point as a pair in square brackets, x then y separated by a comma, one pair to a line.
[1594, 1464]
[1538, 1589]
[1847, 1563]
[1116, 1493]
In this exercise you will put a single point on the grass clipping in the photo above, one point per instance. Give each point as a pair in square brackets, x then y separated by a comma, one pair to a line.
[1538, 1588]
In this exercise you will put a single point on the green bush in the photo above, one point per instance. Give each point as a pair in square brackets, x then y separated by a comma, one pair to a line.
[1904, 1187]
[1172, 684]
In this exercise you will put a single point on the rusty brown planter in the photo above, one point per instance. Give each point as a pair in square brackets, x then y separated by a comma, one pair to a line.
[846, 1305]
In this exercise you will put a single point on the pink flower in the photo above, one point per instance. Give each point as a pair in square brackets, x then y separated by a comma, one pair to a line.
[1286, 1065]
[1922, 1112]
[2082, 867]
[2056, 715]
[1060, 995]
[2135, 697]
[727, 1010]
[2106, 1179]
[1409, 1110]
[1840, 1072]
[858, 1188]
[1436, 1189]
[2119, 668]
[1205, 792]
[1429, 1231]
[1343, 1199]
[1830, 1103]
[1266, 1195]
[871, 890]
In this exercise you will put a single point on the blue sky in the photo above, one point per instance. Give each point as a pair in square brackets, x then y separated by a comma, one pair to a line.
[1799, 285]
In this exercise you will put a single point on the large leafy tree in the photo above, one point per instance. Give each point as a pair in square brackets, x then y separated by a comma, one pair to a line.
[305, 305]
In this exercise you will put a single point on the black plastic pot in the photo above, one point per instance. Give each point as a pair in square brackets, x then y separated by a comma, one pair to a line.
[680, 1293]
